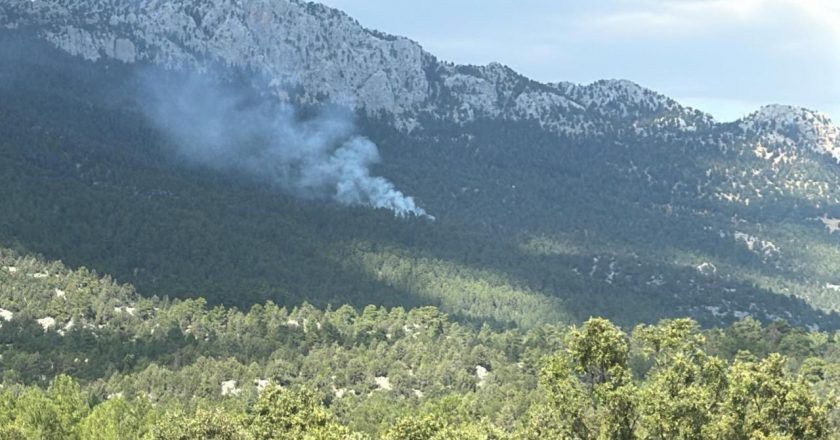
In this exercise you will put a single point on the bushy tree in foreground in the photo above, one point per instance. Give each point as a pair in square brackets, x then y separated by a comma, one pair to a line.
[588, 391]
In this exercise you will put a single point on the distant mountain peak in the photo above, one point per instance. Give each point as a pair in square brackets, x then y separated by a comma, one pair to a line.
[795, 126]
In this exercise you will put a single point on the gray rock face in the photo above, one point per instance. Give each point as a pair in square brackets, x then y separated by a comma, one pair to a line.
[330, 56]
[323, 50]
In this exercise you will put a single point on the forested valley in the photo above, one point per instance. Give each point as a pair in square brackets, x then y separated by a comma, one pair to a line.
[582, 261]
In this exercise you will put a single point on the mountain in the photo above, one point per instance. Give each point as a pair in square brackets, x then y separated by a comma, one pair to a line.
[553, 202]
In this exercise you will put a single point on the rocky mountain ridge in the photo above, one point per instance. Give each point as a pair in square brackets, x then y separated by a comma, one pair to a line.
[330, 56]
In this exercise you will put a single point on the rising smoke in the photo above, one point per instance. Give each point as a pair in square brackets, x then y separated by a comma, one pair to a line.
[234, 128]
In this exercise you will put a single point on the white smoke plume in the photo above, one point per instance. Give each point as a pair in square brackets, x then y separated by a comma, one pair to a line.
[237, 128]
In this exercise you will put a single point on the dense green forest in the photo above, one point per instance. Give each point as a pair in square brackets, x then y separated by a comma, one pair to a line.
[531, 228]
[86, 357]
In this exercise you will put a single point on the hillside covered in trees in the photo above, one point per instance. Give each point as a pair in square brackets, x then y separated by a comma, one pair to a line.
[530, 228]
[108, 363]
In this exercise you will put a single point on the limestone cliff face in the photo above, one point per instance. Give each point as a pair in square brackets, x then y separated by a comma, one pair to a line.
[329, 56]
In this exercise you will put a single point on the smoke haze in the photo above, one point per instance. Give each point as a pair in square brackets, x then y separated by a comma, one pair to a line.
[228, 128]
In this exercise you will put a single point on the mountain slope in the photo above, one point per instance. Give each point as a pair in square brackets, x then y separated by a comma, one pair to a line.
[554, 201]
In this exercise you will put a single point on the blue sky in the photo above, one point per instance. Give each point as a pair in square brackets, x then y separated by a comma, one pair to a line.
[725, 57]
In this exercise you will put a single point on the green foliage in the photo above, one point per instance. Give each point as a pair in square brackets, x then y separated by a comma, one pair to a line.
[761, 400]
[116, 419]
[416, 428]
[586, 390]
[280, 413]
[687, 394]
[212, 424]
[597, 349]
[53, 414]
[180, 369]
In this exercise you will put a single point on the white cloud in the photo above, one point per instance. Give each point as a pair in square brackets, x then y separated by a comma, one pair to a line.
[725, 56]
[705, 17]
[729, 51]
